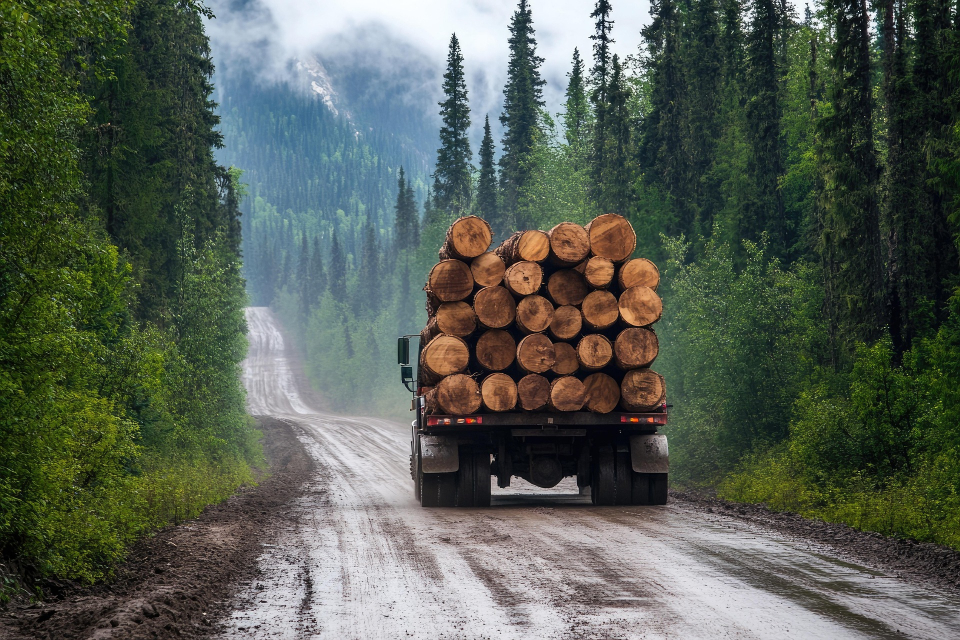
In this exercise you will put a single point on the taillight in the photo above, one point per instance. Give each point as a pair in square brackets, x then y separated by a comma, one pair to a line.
[434, 421]
[647, 419]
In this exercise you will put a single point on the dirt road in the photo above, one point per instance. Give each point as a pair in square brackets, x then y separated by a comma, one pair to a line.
[363, 560]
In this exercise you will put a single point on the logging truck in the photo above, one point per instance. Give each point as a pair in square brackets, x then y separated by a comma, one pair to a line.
[535, 364]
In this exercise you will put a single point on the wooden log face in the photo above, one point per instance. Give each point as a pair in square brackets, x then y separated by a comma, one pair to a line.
[534, 314]
[642, 390]
[495, 307]
[487, 269]
[638, 272]
[450, 281]
[533, 392]
[594, 351]
[445, 355]
[612, 237]
[496, 350]
[567, 394]
[635, 348]
[567, 362]
[456, 395]
[534, 245]
[567, 287]
[456, 319]
[602, 393]
[535, 353]
[640, 306]
[600, 309]
[569, 244]
[498, 392]
[523, 278]
[567, 322]
[598, 272]
[467, 238]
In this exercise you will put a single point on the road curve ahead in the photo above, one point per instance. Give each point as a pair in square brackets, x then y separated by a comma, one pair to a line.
[359, 558]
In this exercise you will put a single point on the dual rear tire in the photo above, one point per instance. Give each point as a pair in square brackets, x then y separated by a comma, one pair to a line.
[467, 487]
[614, 482]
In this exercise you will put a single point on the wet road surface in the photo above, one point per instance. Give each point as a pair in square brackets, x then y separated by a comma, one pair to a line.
[362, 559]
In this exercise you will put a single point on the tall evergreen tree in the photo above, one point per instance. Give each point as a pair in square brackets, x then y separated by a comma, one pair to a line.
[522, 101]
[303, 275]
[486, 202]
[367, 291]
[616, 186]
[452, 179]
[317, 279]
[338, 270]
[600, 79]
[406, 224]
[576, 111]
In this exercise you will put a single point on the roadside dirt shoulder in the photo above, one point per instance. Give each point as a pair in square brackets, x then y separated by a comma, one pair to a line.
[921, 563]
[180, 581]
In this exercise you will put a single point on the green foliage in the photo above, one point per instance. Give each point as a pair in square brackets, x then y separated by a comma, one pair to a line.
[452, 186]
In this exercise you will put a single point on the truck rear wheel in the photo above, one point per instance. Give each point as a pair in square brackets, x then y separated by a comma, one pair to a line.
[650, 488]
[473, 478]
[438, 489]
[610, 477]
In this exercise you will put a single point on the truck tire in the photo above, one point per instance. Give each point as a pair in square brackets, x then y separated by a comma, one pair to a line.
[438, 489]
[603, 476]
[415, 474]
[624, 481]
[650, 488]
[473, 481]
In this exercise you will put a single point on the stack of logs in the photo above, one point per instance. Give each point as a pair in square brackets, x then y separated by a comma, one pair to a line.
[557, 320]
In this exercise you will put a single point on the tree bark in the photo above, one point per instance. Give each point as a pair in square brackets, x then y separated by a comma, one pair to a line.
[467, 238]
[496, 350]
[443, 356]
[566, 394]
[640, 306]
[600, 310]
[450, 281]
[635, 348]
[569, 244]
[523, 278]
[533, 392]
[452, 318]
[597, 271]
[487, 269]
[495, 307]
[642, 390]
[534, 314]
[602, 393]
[594, 352]
[567, 362]
[455, 395]
[498, 392]
[567, 287]
[535, 353]
[638, 272]
[566, 323]
[611, 237]
[532, 246]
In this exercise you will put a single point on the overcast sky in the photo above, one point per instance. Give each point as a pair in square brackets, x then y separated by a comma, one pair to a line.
[296, 27]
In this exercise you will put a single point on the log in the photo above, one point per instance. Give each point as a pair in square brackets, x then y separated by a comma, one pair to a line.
[467, 238]
[569, 244]
[523, 278]
[642, 390]
[535, 353]
[567, 362]
[597, 271]
[487, 269]
[638, 272]
[566, 394]
[602, 393]
[443, 356]
[635, 348]
[533, 392]
[531, 246]
[534, 314]
[566, 286]
[566, 323]
[455, 395]
[495, 307]
[496, 350]
[450, 281]
[600, 309]
[594, 351]
[498, 392]
[611, 237]
[640, 306]
[452, 318]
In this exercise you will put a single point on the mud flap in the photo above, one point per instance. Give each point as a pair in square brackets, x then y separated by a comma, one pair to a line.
[648, 453]
[439, 454]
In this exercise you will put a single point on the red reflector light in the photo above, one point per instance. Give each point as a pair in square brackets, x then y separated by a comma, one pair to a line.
[434, 421]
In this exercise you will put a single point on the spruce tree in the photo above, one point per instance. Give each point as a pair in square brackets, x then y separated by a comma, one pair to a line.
[600, 79]
[338, 270]
[406, 225]
[486, 202]
[452, 175]
[576, 111]
[317, 278]
[303, 275]
[522, 101]
[413, 216]
[367, 291]
[616, 188]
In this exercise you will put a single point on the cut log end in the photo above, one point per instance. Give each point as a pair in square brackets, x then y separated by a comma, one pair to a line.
[612, 237]
[523, 278]
[531, 246]
[450, 281]
[495, 307]
[467, 238]
[602, 393]
[567, 362]
[638, 272]
[567, 323]
[498, 392]
[454, 395]
[598, 272]
[642, 390]
[600, 310]
[534, 314]
[535, 353]
[443, 356]
[635, 348]
[567, 287]
[456, 319]
[640, 306]
[594, 351]
[569, 244]
[566, 394]
[487, 269]
[533, 392]
[496, 350]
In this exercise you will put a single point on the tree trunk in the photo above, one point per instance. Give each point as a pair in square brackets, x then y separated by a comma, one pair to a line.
[638, 272]
[600, 310]
[523, 278]
[567, 362]
[640, 306]
[534, 314]
[642, 390]
[535, 353]
[498, 392]
[455, 395]
[495, 307]
[443, 356]
[533, 392]
[487, 269]
[467, 238]
[566, 323]
[496, 350]
[450, 281]
[611, 237]
[566, 286]
[602, 393]
[597, 271]
[569, 244]
[566, 394]
[594, 352]
[635, 348]
[532, 246]
[452, 318]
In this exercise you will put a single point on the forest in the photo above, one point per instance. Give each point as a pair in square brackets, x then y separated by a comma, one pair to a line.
[795, 176]
[121, 298]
